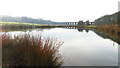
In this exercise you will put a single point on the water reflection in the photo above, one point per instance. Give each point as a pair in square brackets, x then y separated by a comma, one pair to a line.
[106, 35]
[84, 47]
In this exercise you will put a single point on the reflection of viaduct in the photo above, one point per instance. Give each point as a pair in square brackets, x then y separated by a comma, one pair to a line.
[71, 27]
[78, 28]
[68, 23]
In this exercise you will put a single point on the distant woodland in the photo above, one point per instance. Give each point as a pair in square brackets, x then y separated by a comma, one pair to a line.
[108, 19]
[25, 19]
[104, 20]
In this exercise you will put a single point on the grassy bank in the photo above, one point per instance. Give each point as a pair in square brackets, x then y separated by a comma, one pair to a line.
[6, 25]
[109, 28]
[14, 26]
[28, 50]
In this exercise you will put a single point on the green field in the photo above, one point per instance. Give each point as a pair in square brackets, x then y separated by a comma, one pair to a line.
[14, 26]
[17, 23]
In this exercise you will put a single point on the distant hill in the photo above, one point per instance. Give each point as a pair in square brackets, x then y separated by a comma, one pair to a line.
[24, 19]
[108, 19]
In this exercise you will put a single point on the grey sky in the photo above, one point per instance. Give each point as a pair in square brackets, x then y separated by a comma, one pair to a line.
[59, 10]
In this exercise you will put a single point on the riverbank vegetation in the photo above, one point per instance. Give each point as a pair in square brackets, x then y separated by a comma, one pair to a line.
[27, 50]
[14, 26]
[18, 25]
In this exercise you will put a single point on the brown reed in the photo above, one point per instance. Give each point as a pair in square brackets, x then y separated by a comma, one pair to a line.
[27, 50]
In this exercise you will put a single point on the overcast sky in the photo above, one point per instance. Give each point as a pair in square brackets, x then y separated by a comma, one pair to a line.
[59, 10]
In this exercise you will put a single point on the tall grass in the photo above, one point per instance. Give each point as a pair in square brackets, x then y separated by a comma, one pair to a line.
[27, 50]
[15, 25]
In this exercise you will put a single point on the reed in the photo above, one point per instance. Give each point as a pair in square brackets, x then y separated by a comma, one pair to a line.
[26, 50]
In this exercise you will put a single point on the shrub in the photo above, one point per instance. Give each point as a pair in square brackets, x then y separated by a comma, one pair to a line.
[27, 50]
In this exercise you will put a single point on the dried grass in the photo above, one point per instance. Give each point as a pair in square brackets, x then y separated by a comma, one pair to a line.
[27, 50]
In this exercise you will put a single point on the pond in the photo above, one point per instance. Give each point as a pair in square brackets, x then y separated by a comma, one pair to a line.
[81, 47]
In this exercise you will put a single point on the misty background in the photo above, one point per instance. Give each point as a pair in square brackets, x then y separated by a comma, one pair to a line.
[59, 10]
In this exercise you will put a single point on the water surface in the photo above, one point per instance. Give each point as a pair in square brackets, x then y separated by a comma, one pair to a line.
[82, 48]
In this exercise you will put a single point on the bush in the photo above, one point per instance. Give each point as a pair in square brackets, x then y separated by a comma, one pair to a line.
[27, 50]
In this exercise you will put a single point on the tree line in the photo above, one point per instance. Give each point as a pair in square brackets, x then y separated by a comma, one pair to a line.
[108, 19]
[104, 20]
[24, 19]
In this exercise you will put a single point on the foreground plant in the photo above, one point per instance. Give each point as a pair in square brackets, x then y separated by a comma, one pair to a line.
[27, 50]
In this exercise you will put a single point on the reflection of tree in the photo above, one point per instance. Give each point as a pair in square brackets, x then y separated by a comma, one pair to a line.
[105, 32]
[87, 30]
[80, 29]
[108, 35]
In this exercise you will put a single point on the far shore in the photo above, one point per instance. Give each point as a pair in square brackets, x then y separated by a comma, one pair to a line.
[28, 26]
